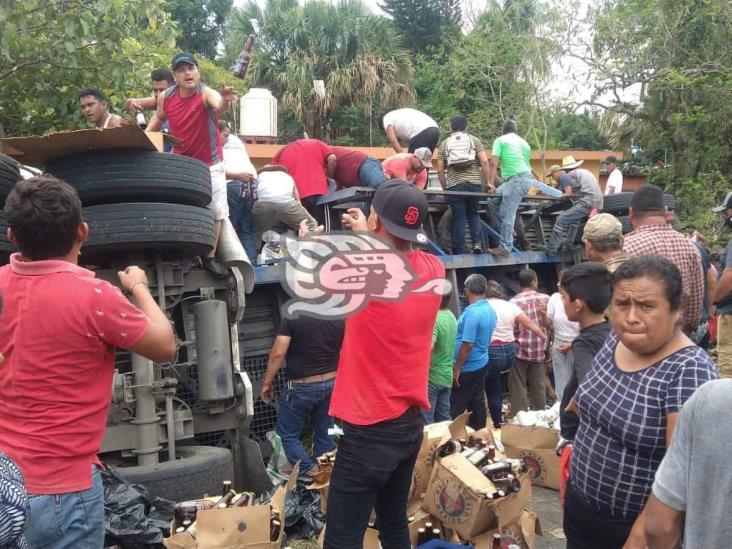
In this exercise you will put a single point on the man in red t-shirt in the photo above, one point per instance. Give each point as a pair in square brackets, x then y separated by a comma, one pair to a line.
[192, 111]
[381, 384]
[412, 167]
[354, 168]
[310, 162]
[59, 327]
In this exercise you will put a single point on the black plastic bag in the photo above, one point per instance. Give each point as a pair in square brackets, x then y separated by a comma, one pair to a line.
[132, 518]
[303, 517]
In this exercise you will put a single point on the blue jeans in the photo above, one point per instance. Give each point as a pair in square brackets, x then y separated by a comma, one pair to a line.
[300, 402]
[67, 521]
[566, 222]
[465, 207]
[241, 217]
[563, 366]
[371, 174]
[504, 208]
[373, 471]
[500, 361]
[439, 398]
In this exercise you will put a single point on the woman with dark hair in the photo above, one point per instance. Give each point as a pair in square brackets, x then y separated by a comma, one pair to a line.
[628, 405]
[501, 352]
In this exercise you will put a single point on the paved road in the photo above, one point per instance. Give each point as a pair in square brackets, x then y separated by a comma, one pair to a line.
[545, 503]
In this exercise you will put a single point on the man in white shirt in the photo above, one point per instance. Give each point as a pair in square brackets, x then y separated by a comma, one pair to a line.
[241, 188]
[413, 126]
[615, 178]
[278, 203]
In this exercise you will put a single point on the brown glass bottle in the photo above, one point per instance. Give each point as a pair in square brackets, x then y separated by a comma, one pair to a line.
[187, 510]
[496, 544]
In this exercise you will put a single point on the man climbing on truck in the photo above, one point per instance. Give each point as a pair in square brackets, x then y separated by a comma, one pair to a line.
[192, 111]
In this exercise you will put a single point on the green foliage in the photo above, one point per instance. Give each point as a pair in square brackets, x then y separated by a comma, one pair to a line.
[490, 75]
[357, 55]
[676, 53]
[50, 49]
[573, 131]
[201, 24]
[424, 23]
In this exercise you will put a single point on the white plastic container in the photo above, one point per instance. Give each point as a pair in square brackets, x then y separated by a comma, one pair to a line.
[258, 114]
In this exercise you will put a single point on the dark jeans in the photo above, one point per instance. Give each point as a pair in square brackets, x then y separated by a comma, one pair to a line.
[470, 396]
[565, 224]
[465, 207]
[373, 470]
[587, 528]
[501, 359]
[428, 137]
[241, 217]
[317, 211]
[300, 403]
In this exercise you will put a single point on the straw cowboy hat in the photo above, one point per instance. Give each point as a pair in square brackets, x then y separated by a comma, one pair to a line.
[553, 168]
[569, 163]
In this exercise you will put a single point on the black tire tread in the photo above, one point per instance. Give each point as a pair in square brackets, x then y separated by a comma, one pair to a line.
[619, 203]
[9, 176]
[108, 177]
[172, 229]
[197, 471]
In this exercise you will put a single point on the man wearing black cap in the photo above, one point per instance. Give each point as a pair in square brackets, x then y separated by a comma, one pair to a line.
[192, 111]
[381, 383]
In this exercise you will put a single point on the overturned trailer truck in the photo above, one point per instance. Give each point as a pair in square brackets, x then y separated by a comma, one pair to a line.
[179, 428]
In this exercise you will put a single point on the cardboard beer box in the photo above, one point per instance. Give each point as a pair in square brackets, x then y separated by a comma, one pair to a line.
[537, 447]
[522, 533]
[456, 495]
[433, 435]
[237, 527]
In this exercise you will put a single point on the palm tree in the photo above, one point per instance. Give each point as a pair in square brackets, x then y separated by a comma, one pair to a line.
[358, 55]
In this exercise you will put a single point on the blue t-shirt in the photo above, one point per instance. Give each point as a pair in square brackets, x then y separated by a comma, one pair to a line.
[475, 326]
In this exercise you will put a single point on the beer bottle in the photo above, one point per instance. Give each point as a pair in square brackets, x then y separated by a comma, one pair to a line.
[479, 458]
[467, 452]
[513, 546]
[421, 536]
[499, 494]
[436, 533]
[180, 530]
[410, 520]
[187, 523]
[189, 509]
[242, 63]
[492, 452]
[489, 496]
[225, 500]
[245, 499]
[496, 544]
[140, 117]
[450, 447]
[496, 469]
[515, 485]
[275, 529]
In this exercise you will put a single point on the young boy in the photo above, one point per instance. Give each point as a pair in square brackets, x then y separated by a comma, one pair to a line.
[440, 380]
[585, 290]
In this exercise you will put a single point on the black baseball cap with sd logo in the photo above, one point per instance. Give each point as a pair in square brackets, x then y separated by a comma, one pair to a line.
[402, 208]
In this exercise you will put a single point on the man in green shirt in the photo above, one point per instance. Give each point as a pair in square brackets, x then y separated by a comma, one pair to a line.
[512, 154]
[440, 377]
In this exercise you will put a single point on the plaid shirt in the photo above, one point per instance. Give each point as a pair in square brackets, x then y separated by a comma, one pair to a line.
[668, 243]
[529, 346]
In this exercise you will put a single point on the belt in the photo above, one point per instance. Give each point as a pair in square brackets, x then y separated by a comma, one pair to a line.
[501, 343]
[312, 379]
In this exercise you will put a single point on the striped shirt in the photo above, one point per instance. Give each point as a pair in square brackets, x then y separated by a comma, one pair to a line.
[455, 176]
[529, 346]
[664, 241]
[622, 434]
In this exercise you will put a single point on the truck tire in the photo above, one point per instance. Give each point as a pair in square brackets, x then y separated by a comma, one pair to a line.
[172, 230]
[198, 470]
[619, 203]
[108, 177]
[9, 176]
